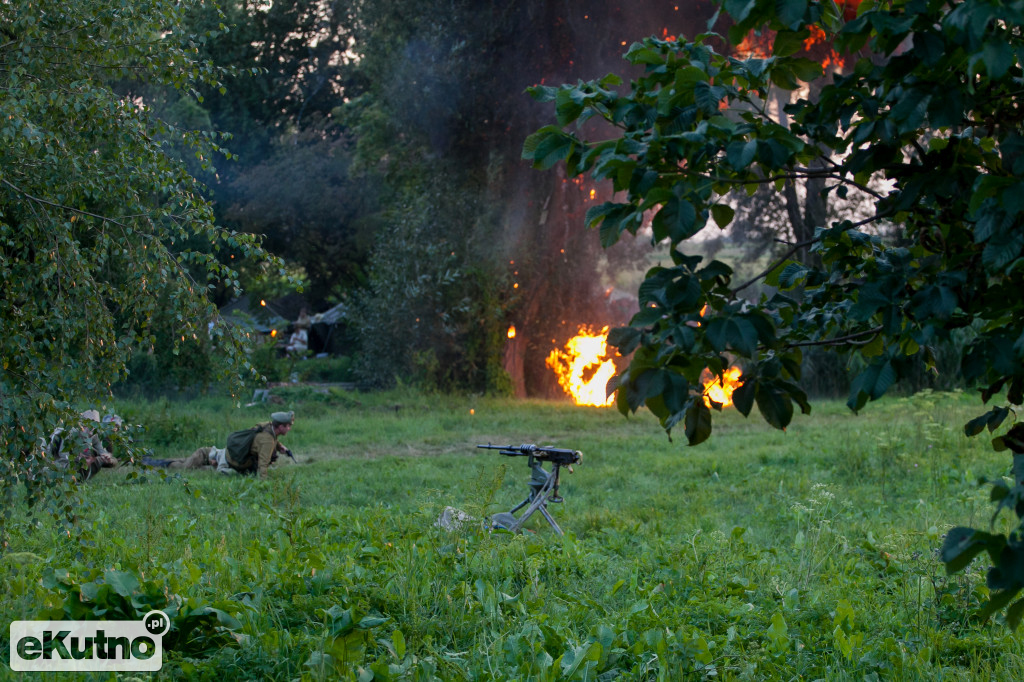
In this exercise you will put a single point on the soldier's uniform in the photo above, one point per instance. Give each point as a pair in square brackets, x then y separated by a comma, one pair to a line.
[264, 446]
[202, 458]
[90, 459]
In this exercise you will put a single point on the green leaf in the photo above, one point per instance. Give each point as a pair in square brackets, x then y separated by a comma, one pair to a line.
[743, 396]
[739, 9]
[998, 57]
[568, 106]
[997, 601]
[689, 76]
[778, 633]
[597, 213]
[625, 339]
[872, 383]
[1014, 613]
[790, 12]
[548, 146]
[698, 422]
[647, 316]
[614, 218]
[741, 153]
[962, 545]
[722, 215]
[742, 336]
[398, 640]
[717, 333]
[792, 275]
[708, 97]
[991, 420]
[806, 70]
[774, 405]
[677, 220]
[787, 43]
[122, 582]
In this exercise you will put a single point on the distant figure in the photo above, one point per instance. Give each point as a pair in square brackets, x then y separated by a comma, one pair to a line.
[83, 452]
[299, 341]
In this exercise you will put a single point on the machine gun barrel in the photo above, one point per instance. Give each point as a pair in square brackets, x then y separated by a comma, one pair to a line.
[544, 453]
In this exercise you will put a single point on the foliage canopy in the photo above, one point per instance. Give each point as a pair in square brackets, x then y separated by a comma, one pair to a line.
[102, 227]
[928, 112]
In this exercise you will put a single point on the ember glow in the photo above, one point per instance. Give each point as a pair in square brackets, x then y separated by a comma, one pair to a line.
[720, 390]
[758, 44]
[584, 368]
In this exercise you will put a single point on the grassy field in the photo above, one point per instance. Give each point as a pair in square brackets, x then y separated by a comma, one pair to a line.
[806, 554]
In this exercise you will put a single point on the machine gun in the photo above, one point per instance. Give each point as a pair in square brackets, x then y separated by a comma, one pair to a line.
[543, 484]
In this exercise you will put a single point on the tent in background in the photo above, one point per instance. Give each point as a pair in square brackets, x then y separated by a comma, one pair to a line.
[328, 333]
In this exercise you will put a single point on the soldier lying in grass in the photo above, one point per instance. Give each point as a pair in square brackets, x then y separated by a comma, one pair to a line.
[249, 451]
[83, 452]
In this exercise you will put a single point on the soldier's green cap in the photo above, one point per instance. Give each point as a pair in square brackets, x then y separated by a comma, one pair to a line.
[283, 417]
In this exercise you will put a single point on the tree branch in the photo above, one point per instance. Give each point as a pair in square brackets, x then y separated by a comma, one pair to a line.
[779, 261]
[840, 340]
[52, 204]
[797, 247]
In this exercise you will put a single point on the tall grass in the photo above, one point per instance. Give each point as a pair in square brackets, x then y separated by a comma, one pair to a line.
[758, 555]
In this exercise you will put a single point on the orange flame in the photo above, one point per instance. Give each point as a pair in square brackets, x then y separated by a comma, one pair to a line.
[756, 45]
[511, 331]
[817, 35]
[720, 390]
[759, 43]
[583, 368]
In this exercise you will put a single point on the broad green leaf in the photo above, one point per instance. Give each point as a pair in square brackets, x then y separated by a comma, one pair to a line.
[741, 153]
[568, 105]
[722, 215]
[961, 546]
[122, 582]
[997, 601]
[787, 43]
[743, 396]
[774, 405]
[791, 12]
[626, 339]
[698, 423]
[998, 57]
[677, 220]
[806, 70]
[688, 76]
[398, 640]
[739, 9]
[708, 97]
[1014, 613]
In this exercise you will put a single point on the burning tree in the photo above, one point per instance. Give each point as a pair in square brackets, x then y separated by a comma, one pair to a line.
[443, 123]
[937, 127]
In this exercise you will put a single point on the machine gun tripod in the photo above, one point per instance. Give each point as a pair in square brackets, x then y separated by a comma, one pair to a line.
[543, 484]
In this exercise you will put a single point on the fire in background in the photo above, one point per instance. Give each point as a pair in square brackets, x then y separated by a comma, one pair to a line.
[584, 367]
[720, 390]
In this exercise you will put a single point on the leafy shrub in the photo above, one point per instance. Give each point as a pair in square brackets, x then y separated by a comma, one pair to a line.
[95, 594]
